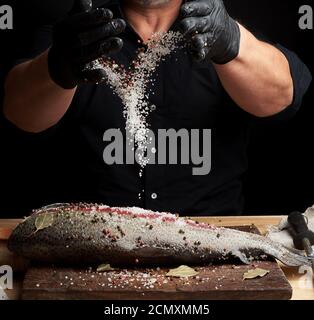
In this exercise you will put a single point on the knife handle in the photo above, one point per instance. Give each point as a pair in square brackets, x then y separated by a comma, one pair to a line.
[299, 229]
[297, 222]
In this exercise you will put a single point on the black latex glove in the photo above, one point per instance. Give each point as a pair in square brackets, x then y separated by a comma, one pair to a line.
[79, 39]
[210, 31]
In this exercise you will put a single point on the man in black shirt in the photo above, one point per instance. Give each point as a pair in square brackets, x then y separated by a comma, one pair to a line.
[227, 80]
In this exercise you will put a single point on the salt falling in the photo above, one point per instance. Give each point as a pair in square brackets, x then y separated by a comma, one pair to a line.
[131, 85]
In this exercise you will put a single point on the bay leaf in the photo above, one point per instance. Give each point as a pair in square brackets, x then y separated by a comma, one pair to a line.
[255, 273]
[44, 221]
[105, 267]
[182, 272]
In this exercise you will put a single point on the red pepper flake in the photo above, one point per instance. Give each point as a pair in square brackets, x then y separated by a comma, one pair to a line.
[107, 232]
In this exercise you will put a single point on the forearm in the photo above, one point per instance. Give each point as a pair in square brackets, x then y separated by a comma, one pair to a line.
[39, 92]
[33, 102]
[259, 79]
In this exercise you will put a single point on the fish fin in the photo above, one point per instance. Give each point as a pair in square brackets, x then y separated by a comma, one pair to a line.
[52, 206]
[242, 256]
[294, 250]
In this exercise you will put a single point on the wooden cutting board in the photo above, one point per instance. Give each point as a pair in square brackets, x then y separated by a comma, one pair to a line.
[215, 282]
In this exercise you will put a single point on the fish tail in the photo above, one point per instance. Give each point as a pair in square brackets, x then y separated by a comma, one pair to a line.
[288, 256]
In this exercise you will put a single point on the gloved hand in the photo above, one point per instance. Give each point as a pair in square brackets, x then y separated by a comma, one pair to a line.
[282, 233]
[210, 31]
[79, 39]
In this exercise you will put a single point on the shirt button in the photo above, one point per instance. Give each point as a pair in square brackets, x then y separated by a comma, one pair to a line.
[153, 107]
[154, 150]
[154, 196]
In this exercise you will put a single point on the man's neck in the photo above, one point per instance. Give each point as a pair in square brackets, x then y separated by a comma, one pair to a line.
[149, 17]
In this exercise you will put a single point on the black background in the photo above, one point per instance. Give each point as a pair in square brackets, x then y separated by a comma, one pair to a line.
[281, 175]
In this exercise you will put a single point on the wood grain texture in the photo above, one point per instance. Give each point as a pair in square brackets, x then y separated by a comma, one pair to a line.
[7, 226]
[212, 283]
[217, 282]
[18, 263]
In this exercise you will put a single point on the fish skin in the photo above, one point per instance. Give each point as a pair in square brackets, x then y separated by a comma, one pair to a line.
[91, 234]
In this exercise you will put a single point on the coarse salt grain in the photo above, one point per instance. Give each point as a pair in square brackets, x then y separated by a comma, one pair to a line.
[131, 85]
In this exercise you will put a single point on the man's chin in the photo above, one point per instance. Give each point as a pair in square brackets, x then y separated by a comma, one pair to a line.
[150, 3]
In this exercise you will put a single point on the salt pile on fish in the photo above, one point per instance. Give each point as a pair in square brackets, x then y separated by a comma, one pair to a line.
[76, 234]
[131, 85]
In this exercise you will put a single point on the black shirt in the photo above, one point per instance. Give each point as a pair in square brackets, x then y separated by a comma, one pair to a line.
[68, 161]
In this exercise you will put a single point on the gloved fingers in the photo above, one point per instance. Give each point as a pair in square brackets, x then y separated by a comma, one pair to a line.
[89, 53]
[202, 41]
[82, 6]
[200, 45]
[196, 9]
[111, 29]
[95, 17]
[199, 55]
[192, 26]
[92, 76]
[112, 45]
